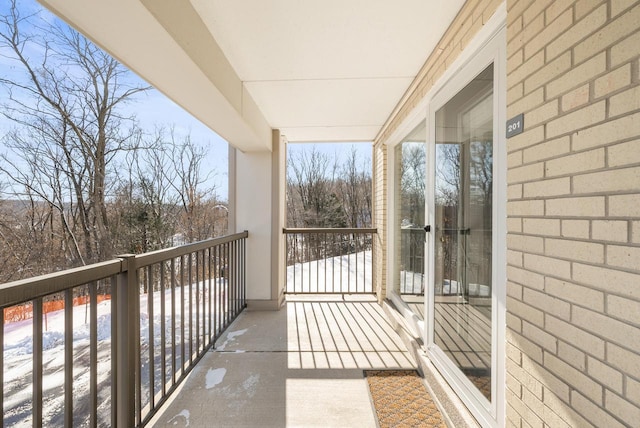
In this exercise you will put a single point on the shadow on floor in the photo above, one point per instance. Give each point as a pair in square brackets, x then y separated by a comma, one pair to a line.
[300, 366]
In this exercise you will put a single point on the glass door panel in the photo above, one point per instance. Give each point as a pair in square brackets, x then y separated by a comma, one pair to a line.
[410, 169]
[463, 230]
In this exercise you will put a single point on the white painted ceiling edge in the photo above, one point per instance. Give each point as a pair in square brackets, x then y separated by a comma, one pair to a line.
[318, 71]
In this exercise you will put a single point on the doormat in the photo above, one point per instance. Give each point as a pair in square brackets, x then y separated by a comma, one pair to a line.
[401, 399]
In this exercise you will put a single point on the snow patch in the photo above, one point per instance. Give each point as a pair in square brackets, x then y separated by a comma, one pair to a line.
[250, 384]
[215, 377]
[185, 414]
[231, 336]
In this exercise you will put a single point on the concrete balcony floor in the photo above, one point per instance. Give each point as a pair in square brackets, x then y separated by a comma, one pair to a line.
[301, 366]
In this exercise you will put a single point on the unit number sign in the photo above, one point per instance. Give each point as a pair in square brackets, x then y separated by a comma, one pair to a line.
[515, 125]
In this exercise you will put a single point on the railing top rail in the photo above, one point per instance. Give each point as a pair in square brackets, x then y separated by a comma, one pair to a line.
[23, 290]
[158, 256]
[287, 231]
[13, 293]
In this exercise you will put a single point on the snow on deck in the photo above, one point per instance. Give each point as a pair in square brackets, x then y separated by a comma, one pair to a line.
[18, 357]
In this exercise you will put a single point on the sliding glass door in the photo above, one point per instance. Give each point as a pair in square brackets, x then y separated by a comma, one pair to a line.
[466, 208]
[447, 232]
[463, 193]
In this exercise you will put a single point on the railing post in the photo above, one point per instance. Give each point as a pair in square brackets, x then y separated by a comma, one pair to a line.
[37, 363]
[125, 311]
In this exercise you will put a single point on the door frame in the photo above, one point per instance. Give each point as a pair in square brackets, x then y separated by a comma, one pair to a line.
[488, 45]
[488, 413]
[415, 323]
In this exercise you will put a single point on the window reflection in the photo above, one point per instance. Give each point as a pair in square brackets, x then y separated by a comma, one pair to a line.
[463, 229]
[410, 212]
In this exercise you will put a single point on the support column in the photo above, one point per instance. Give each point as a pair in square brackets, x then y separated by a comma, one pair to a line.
[256, 199]
[278, 216]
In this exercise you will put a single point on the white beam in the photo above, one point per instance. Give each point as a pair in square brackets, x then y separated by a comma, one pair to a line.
[163, 53]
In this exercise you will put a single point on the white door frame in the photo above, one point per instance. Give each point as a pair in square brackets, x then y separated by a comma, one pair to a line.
[489, 45]
[414, 321]
[492, 51]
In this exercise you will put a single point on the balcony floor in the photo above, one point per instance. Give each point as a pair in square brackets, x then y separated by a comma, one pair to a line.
[300, 366]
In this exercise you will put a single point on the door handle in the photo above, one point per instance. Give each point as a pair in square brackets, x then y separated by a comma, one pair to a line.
[427, 228]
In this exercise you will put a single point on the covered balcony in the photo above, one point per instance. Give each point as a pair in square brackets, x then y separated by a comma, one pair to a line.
[163, 339]
[162, 347]
[502, 258]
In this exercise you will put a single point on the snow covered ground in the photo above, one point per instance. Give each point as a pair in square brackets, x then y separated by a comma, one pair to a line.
[18, 366]
[353, 273]
[415, 283]
[18, 357]
[342, 274]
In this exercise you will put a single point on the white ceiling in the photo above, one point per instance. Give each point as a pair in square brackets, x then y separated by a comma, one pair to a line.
[331, 70]
[318, 71]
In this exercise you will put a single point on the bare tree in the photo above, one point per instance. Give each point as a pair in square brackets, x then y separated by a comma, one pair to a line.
[67, 108]
[354, 187]
[448, 173]
[412, 182]
[29, 242]
[165, 196]
[312, 175]
[323, 192]
[144, 210]
[192, 185]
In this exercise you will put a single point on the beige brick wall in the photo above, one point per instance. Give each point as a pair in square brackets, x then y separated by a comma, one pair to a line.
[380, 220]
[573, 305]
[573, 205]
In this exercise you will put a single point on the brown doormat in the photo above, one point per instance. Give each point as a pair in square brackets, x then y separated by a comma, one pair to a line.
[401, 399]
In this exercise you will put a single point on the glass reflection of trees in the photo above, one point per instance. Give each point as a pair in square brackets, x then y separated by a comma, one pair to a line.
[412, 183]
[463, 229]
[463, 191]
[412, 190]
[464, 183]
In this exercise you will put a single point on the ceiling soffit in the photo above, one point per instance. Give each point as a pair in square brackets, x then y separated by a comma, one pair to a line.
[337, 68]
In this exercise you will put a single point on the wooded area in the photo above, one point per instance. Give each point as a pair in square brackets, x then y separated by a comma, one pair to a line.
[328, 191]
[80, 180]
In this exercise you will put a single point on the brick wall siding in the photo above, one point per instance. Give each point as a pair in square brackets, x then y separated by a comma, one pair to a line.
[573, 304]
[380, 219]
[573, 292]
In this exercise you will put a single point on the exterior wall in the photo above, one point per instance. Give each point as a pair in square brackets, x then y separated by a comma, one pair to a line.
[467, 23]
[380, 220]
[573, 305]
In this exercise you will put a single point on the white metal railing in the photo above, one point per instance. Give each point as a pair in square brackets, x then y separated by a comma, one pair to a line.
[123, 333]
